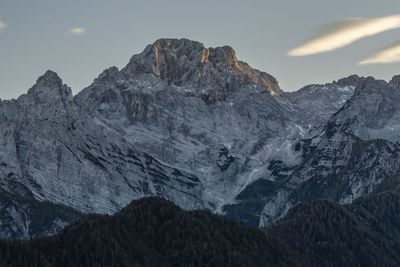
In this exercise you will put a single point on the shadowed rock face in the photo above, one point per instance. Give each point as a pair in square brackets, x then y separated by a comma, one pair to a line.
[54, 151]
[325, 100]
[396, 81]
[373, 109]
[201, 128]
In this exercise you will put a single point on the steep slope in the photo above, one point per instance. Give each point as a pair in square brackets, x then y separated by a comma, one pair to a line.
[356, 152]
[22, 216]
[57, 153]
[267, 198]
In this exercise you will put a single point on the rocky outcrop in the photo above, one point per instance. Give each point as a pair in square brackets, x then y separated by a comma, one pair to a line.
[395, 81]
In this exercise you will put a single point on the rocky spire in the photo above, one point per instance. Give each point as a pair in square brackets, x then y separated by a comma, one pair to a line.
[395, 81]
[49, 87]
[50, 80]
[49, 98]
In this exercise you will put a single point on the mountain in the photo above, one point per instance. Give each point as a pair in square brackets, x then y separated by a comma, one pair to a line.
[155, 232]
[198, 127]
[357, 151]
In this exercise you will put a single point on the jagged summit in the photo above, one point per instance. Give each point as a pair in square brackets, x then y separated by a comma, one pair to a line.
[182, 62]
[49, 90]
[395, 81]
[370, 84]
[166, 53]
[49, 79]
[352, 80]
[108, 74]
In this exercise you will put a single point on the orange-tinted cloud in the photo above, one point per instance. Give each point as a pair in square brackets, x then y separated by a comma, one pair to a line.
[77, 31]
[344, 33]
[390, 54]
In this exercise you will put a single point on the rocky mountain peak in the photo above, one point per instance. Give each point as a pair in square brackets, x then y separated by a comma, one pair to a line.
[352, 80]
[395, 81]
[167, 57]
[49, 91]
[49, 79]
[163, 57]
[225, 55]
[370, 85]
[186, 63]
[194, 51]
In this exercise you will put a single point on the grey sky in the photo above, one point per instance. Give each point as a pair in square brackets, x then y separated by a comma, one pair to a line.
[104, 33]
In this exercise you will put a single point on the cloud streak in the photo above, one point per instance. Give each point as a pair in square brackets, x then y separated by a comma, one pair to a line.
[390, 54]
[76, 31]
[344, 33]
[3, 25]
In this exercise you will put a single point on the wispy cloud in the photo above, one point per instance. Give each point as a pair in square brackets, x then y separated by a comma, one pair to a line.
[390, 54]
[344, 33]
[3, 25]
[76, 31]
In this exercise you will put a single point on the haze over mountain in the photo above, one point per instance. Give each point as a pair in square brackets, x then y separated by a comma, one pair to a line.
[197, 126]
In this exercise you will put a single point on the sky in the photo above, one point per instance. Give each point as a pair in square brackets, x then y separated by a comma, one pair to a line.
[298, 42]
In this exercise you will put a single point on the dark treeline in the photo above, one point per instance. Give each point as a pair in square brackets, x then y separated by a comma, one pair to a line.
[155, 232]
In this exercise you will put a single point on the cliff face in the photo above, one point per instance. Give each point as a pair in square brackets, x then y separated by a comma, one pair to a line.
[201, 128]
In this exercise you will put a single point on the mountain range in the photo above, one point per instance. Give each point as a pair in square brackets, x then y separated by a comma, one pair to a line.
[198, 127]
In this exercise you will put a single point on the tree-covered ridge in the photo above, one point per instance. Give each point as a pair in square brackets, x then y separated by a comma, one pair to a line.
[324, 233]
[150, 232]
[155, 232]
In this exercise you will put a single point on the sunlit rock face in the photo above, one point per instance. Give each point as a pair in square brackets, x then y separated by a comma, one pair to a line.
[209, 72]
[199, 127]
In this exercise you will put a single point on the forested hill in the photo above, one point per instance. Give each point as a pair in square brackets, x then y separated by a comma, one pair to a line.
[155, 232]
[150, 232]
[324, 233]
